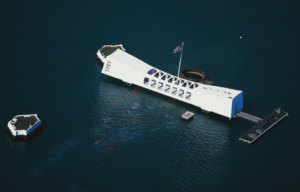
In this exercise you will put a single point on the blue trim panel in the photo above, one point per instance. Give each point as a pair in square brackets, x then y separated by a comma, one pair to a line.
[237, 104]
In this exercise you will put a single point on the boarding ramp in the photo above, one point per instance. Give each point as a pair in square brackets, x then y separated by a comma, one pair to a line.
[248, 117]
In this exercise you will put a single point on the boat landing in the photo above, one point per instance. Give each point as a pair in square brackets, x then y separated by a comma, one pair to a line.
[262, 126]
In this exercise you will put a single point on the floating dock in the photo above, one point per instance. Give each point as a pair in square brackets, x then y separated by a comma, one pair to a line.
[23, 125]
[187, 116]
[262, 126]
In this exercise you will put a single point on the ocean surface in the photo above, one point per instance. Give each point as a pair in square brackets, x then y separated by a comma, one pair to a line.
[48, 67]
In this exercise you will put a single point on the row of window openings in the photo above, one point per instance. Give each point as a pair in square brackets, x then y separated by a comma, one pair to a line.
[159, 73]
[168, 88]
[171, 79]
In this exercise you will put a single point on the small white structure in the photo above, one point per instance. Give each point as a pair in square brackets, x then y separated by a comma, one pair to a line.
[23, 125]
[121, 65]
[187, 115]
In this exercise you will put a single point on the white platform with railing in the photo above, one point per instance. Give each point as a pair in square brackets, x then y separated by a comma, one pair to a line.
[23, 125]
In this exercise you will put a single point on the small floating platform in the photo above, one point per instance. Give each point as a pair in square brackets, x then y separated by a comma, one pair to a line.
[187, 116]
[23, 125]
[262, 126]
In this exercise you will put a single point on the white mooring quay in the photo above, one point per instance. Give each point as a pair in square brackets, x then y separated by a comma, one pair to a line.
[119, 64]
[23, 125]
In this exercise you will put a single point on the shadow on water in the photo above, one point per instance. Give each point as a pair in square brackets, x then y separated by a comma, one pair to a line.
[28, 139]
[112, 137]
[55, 154]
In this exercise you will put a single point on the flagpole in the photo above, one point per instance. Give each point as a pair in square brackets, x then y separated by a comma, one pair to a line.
[180, 59]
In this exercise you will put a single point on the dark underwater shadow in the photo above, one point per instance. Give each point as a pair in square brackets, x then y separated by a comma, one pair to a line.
[27, 139]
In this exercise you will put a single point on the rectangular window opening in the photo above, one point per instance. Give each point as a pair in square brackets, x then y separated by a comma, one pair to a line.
[167, 88]
[160, 86]
[174, 90]
[181, 93]
[188, 95]
[153, 83]
[146, 81]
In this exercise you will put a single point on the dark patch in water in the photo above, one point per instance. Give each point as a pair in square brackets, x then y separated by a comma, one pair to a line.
[101, 140]
[114, 145]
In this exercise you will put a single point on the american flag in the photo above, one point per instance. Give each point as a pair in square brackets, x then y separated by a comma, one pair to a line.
[177, 49]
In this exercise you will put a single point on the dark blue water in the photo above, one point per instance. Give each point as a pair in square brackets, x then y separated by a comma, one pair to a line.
[48, 67]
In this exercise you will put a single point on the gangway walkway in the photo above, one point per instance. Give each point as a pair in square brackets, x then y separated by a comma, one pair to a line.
[248, 117]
